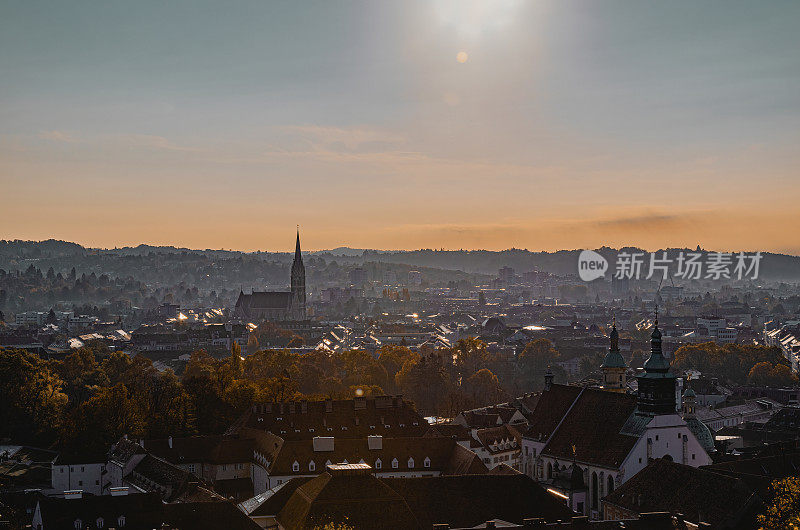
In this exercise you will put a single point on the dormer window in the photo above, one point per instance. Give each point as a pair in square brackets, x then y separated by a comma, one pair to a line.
[378, 464]
[410, 463]
[296, 466]
[427, 462]
[312, 466]
[395, 464]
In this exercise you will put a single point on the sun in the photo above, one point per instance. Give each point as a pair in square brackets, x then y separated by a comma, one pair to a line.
[462, 56]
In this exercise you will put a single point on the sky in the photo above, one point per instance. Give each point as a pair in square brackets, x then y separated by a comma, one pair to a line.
[539, 124]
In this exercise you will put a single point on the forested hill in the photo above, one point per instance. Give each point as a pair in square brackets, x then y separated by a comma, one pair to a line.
[773, 266]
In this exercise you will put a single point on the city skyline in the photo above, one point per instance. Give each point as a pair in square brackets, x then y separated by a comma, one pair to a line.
[539, 125]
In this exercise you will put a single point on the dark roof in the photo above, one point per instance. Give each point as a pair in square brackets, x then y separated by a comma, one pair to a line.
[440, 451]
[265, 300]
[207, 516]
[368, 502]
[363, 502]
[271, 501]
[123, 450]
[594, 426]
[698, 494]
[141, 511]
[469, 500]
[551, 407]
[207, 449]
[351, 418]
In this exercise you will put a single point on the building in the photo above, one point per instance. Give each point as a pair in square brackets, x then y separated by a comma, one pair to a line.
[354, 495]
[699, 495]
[142, 511]
[280, 306]
[606, 437]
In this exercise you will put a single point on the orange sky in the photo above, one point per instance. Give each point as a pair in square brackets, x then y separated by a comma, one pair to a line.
[534, 125]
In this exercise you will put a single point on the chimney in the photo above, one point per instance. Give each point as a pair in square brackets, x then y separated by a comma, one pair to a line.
[169, 441]
[119, 491]
[328, 405]
[375, 442]
[73, 494]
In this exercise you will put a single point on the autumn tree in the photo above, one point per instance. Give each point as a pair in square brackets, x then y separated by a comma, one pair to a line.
[783, 512]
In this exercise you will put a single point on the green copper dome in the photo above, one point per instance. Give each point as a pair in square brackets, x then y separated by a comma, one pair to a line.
[614, 357]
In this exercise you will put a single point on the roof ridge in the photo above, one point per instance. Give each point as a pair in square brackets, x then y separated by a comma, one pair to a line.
[564, 417]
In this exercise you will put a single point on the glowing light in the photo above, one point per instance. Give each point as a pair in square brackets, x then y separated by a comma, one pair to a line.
[471, 18]
[359, 392]
[462, 57]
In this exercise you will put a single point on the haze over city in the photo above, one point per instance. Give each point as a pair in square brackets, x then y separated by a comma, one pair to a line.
[455, 124]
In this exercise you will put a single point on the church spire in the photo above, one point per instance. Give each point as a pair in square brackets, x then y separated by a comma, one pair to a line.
[297, 254]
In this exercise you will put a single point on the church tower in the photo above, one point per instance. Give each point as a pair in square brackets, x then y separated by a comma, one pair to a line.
[657, 384]
[298, 283]
[613, 366]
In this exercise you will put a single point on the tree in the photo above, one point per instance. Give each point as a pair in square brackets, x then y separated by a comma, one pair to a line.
[469, 356]
[484, 388]
[783, 512]
[538, 355]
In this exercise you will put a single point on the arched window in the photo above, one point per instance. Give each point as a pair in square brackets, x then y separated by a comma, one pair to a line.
[395, 464]
[296, 466]
[78, 524]
[594, 491]
[549, 471]
[121, 521]
[426, 462]
[378, 464]
[312, 466]
[410, 463]
[100, 522]
[610, 485]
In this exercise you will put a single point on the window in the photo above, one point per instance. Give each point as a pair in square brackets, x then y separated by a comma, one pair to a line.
[80, 483]
[679, 436]
[312, 466]
[410, 463]
[78, 524]
[395, 464]
[692, 456]
[378, 464]
[296, 466]
[224, 467]
[656, 437]
[96, 482]
[191, 468]
[427, 462]
[83, 468]
[121, 521]
[100, 522]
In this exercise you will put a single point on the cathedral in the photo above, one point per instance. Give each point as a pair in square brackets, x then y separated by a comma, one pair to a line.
[280, 306]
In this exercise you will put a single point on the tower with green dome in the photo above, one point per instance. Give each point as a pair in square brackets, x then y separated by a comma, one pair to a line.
[657, 384]
[613, 366]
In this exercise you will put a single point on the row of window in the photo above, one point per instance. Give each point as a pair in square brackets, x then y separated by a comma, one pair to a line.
[312, 466]
[100, 522]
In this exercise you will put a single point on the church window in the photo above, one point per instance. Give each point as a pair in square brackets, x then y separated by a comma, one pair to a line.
[610, 486]
[121, 521]
[100, 522]
[594, 491]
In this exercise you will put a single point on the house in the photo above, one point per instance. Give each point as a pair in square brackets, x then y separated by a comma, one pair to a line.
[81, 471]
[353, 494]
[221, 461]
[276, 461]
[699, 494]
[142, 511]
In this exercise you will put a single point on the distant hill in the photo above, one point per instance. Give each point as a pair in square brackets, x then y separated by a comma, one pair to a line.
[773, 266]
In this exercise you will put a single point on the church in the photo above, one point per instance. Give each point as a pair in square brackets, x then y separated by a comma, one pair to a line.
[584, 442]
[279, 306]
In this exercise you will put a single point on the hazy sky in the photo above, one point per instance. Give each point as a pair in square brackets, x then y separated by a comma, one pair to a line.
[406, 124]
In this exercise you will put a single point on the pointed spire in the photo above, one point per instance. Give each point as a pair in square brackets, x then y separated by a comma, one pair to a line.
[297, 254]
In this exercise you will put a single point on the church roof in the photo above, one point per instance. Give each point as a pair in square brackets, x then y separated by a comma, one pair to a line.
[265, 300]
